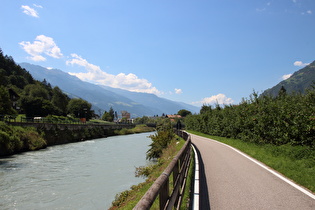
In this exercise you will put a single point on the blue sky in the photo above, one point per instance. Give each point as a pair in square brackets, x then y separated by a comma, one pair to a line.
[193, 51]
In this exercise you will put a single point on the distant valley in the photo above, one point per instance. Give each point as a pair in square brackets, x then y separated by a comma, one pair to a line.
[144, 104]
[104, 97]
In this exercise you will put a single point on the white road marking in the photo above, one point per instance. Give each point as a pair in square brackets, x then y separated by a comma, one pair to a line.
[196, 183]
[268, 169]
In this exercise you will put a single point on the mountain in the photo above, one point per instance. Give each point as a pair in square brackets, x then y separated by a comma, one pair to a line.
[154, 102]
[103, 97]
[299, 82]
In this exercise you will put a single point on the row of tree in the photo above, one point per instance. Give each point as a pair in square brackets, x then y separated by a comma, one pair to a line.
[285, 119]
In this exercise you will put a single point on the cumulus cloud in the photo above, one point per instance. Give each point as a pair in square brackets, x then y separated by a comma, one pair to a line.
[178, 91]
[300, 63]
[286, 76]
[216, 99]
[94, 74]
[29, 11]
[42, 45]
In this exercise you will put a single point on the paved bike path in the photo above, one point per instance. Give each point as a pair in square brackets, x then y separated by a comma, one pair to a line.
[232, 181]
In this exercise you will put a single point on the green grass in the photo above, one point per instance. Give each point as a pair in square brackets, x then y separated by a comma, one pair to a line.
[98, 121]
[295, 162]
[189, 183]
[136, 129]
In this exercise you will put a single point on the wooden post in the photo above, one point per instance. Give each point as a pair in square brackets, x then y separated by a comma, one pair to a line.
[175, 177]
[164, 194]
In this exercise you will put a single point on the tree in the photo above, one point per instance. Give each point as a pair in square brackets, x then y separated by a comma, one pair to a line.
[80, 108]
[36, 90]
[106, 116]
[36, 106]
[184, 112]
[204, 109]
[116, 115]
[160, 140]
[60, 100]
[282, 92]
[109, 116]
[142, 120]
[5, 103]
[3, 78]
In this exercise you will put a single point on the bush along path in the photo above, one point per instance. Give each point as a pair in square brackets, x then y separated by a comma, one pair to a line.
[286, 119]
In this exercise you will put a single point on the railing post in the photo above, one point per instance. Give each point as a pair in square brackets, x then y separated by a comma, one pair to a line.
[179, 167]
[164, 194]
[175, 177]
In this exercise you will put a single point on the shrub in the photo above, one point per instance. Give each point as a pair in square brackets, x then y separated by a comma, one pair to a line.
[15, 139]
[160, 140]
[287, 119]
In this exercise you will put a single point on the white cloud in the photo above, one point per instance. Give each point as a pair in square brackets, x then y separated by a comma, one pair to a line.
[308, 12]
[42, 45]
[286, 76]
[94, 74]
[260, 9]
[29, 11]
[300, 63]
[216, 99]
[178, 91]
[39, 6]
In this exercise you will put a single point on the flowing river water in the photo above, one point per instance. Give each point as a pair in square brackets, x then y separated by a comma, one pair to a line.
[84, 175]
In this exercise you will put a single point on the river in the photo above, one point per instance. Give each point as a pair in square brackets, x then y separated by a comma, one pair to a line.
[84, 175]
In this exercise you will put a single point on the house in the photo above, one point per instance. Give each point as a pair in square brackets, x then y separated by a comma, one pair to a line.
[125, 114]
[172, 117]
[14, 97]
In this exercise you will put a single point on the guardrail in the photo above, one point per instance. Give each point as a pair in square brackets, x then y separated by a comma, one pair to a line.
[179, 169]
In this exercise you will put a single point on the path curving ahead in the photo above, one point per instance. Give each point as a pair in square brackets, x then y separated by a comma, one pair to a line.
[232, 181]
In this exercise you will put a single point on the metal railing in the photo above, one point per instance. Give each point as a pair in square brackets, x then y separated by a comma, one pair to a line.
[178, 168]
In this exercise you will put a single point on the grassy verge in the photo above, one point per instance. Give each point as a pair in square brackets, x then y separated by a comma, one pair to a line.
[14, 139]
[189, 183]
[137, 129]
[129, 198]
[295, 162]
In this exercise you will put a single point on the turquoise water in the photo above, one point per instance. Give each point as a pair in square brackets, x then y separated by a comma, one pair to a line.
[85, 175]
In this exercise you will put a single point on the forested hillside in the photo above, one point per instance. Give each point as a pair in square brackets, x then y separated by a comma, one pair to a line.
[299, 82]
[21, 94]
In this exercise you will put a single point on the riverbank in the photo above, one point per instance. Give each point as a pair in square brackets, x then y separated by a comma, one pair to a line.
[17, 139]
[129, 198]
[83, 175]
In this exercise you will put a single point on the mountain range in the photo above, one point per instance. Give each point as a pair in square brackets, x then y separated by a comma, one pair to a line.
[103, 97]
[299, 81]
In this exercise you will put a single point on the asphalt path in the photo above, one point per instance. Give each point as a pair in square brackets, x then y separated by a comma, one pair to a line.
[228, 180]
